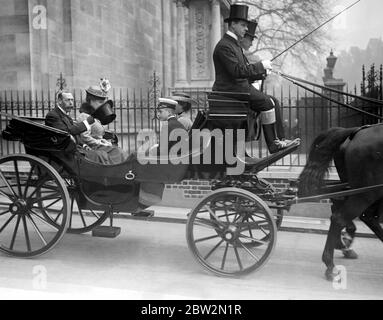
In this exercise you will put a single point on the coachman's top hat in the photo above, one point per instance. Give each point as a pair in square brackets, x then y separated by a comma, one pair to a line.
[238, 12]
[251, 29]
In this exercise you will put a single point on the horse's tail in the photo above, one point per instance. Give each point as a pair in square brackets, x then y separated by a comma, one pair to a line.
[321, 153]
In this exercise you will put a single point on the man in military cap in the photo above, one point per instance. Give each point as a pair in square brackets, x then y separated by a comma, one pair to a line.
[233, 73]
[166, 112]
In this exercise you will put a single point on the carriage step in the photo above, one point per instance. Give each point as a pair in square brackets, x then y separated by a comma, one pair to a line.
[106, 232]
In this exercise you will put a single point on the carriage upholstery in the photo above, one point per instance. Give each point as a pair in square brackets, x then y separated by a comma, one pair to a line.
[37, 136]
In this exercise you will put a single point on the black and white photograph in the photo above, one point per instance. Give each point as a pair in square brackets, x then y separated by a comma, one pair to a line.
[204, 152]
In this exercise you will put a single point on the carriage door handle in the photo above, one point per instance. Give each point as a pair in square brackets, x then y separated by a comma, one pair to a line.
[130, 176]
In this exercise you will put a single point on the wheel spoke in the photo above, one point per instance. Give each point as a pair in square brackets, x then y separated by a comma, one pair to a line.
[206, 223]
[52, 204]
[8, 185]
[212, 250]
[43, 220]
[71, 213]
[95, 214]
[82, 217]
[17, 177]
[4, 213]
[37, 229]
[28, 180]
[56, 196]
[214, 216]
[253, 239]
[224, 256]
[238, 258]
[7, 223]
[58, 216]
[249, 252]
[26, 234]
[206, 239]
[38, 187]
[15, 232]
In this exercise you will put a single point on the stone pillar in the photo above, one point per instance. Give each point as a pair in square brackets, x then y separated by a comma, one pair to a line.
[215, 23]
[167, 45]
[215, 29]
[181, 44]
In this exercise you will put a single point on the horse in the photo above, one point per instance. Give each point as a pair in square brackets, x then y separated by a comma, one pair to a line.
[358, 157]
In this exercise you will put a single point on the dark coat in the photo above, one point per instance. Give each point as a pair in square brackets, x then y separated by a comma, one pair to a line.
[232, 70]
[57, 119]
[173, 124]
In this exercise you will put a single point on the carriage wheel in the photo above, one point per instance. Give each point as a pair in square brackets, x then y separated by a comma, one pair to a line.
[30, 192]
[218, 232]
[82, 220]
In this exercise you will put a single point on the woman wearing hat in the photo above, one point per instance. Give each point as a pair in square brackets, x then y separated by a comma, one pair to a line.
[233, 73]
[105, 152]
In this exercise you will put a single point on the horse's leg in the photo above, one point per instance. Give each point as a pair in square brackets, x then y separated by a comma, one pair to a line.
[347, 241]
[341, 218]
[346, 238]
[333, 237]
[371, 218]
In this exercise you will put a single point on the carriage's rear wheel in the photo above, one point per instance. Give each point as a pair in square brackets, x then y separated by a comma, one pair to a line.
[82, 220]
[30, 190]
[218, 232]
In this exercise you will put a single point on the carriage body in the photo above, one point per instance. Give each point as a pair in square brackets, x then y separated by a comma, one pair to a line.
[54, 189]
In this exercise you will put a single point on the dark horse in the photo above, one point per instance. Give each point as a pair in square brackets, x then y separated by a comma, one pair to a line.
[358, 156]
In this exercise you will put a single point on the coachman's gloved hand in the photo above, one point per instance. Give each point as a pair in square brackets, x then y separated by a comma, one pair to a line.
[268, 65]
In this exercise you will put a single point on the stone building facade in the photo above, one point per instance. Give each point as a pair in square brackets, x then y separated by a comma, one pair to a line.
[123, 40]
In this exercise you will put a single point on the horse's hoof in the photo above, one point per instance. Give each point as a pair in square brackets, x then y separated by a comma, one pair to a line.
[350, 254]
[332, 274]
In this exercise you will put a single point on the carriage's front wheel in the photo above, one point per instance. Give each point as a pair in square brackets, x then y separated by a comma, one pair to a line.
[30, 193]
[221, 227]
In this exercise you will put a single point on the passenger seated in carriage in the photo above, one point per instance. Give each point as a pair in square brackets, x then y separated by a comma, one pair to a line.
[167, 114]
[94, 137]
[96, 150]
[233, 73]
[183, 109]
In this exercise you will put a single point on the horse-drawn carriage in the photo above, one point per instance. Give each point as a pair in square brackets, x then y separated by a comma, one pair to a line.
[53, 189]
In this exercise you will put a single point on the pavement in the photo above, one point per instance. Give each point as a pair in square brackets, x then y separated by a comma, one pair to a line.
[151, 260]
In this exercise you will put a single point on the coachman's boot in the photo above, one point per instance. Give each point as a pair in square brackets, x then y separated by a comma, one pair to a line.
[273, 143]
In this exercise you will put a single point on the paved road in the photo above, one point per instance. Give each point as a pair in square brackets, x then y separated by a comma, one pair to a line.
[150, 260]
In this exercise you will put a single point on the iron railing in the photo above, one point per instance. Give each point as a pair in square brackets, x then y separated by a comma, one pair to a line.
[304, 116]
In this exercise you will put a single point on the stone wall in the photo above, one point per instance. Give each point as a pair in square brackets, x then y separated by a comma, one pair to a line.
[14, 44]
[85, 40]
[121, 40]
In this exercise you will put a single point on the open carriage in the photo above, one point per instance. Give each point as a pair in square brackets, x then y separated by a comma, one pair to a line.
[53, 189]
